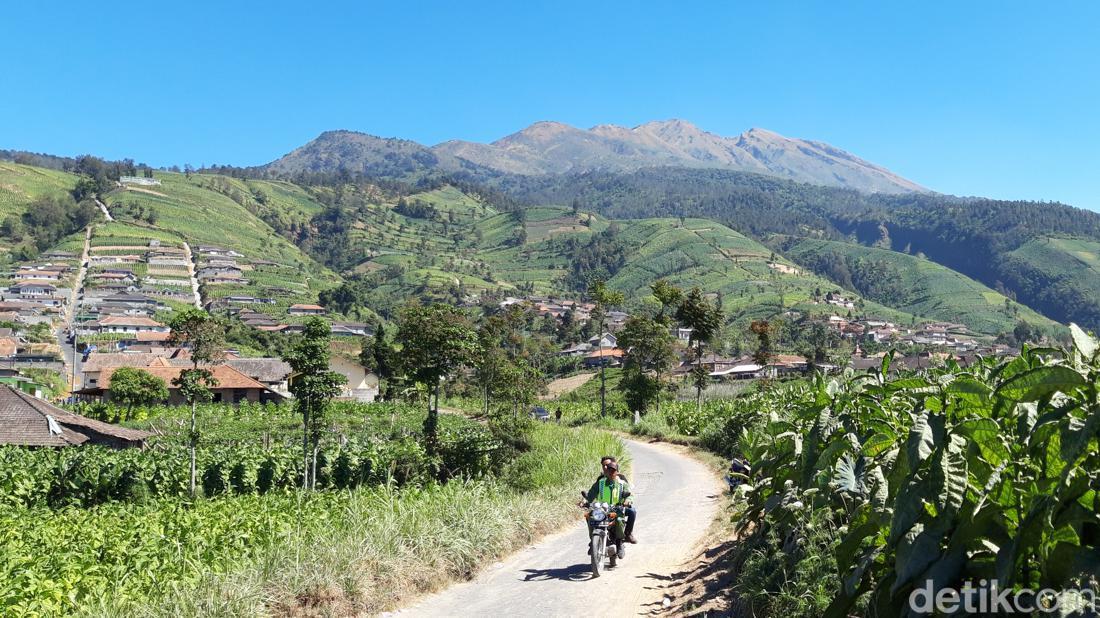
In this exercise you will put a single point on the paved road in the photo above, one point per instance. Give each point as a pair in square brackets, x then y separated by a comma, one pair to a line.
[76, 302]
[677, 498]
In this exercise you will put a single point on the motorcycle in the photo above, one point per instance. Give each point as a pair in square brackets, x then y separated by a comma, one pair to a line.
[606, 524]
[738, 474]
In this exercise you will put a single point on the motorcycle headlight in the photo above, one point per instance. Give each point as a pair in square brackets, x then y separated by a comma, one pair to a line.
[598, 515]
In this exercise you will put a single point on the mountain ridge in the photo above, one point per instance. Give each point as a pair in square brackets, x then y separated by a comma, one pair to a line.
[549, 147]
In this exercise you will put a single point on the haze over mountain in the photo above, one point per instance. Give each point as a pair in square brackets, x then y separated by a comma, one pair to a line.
[556, 148]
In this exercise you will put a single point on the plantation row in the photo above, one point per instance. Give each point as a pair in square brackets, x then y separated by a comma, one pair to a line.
[253, 449]
[93, 475]
[869, 488]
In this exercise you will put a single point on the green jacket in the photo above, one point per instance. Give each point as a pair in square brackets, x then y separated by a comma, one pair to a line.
[603, 490]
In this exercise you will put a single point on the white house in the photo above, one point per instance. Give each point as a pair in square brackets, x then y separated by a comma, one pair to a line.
[362, 385]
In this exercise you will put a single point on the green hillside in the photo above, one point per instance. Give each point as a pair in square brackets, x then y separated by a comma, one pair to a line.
[22, 184]
[201, 210]
[913, 284]
[466, 249]
[447, 244]
[1066, 269]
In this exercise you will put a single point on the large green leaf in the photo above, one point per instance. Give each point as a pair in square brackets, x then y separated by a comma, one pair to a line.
[877, 444]
[986, 434]
[921, 440]
[1085, 343]
[971, 391]
[950, 477]
[919, 549]
[1033, 384]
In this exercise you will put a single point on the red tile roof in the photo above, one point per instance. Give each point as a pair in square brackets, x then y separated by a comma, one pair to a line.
[227, 376]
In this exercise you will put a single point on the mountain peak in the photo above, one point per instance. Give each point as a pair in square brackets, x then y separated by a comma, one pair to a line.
[550, 147]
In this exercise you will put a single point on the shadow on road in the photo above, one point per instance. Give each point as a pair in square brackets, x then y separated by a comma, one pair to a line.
[575, 573]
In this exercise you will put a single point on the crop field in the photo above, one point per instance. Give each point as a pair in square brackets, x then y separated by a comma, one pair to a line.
[22, 184]
[201, 215]
[930, 289]
[120, 532]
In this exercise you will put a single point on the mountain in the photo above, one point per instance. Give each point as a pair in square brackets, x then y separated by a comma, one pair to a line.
[556, 148]
[378, 157]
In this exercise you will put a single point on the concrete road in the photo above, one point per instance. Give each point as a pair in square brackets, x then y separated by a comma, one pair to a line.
[676, 496]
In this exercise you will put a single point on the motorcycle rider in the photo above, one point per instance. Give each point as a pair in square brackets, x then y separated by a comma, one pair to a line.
[631, 512]
[611, 487]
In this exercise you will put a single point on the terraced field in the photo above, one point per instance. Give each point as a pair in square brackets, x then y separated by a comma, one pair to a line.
[22, 184]
[933, 290]
[471, 255]
[201, 210]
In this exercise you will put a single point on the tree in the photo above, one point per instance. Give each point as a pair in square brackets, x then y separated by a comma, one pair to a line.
[133, 386]
[670, 298]
[490, 359]
[519, 383]
[205, 336]
[313, 386]
[605, 298]
[436, 340]
[649, 353]
[704, 320]
[764, 349]
[378, 355]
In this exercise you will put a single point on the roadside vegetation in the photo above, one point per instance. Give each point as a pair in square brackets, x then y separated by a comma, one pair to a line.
[95, 528]
[867, 487]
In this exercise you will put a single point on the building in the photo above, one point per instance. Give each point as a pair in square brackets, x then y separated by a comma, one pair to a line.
[743, 371]
[606, 341]
[610, 357]
[32, 289]
[273, 373]
[362, 385]
[232, 385]
[28, 421]
[302, 309]
[126, 324]
[350, 329]
[138, 180]
[32, 274]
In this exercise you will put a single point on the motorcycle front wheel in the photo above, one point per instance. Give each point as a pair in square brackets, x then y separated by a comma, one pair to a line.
[598, 547]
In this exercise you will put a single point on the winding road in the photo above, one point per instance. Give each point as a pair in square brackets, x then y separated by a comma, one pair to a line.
[677, 498]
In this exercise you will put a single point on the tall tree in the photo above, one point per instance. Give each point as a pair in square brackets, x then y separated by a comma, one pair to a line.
[670, 298]
[704, 320]
[605, 299]
[378, 355]
[649, 353]
[135, 387]
[435, 341]
[764, 347]
[205, 336]
[313, 386]
[490, 358]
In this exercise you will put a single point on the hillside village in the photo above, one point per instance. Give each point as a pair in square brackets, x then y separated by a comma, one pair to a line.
[110, 297]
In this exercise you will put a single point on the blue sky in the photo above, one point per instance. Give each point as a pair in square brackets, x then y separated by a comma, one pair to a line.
[1000, 99]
